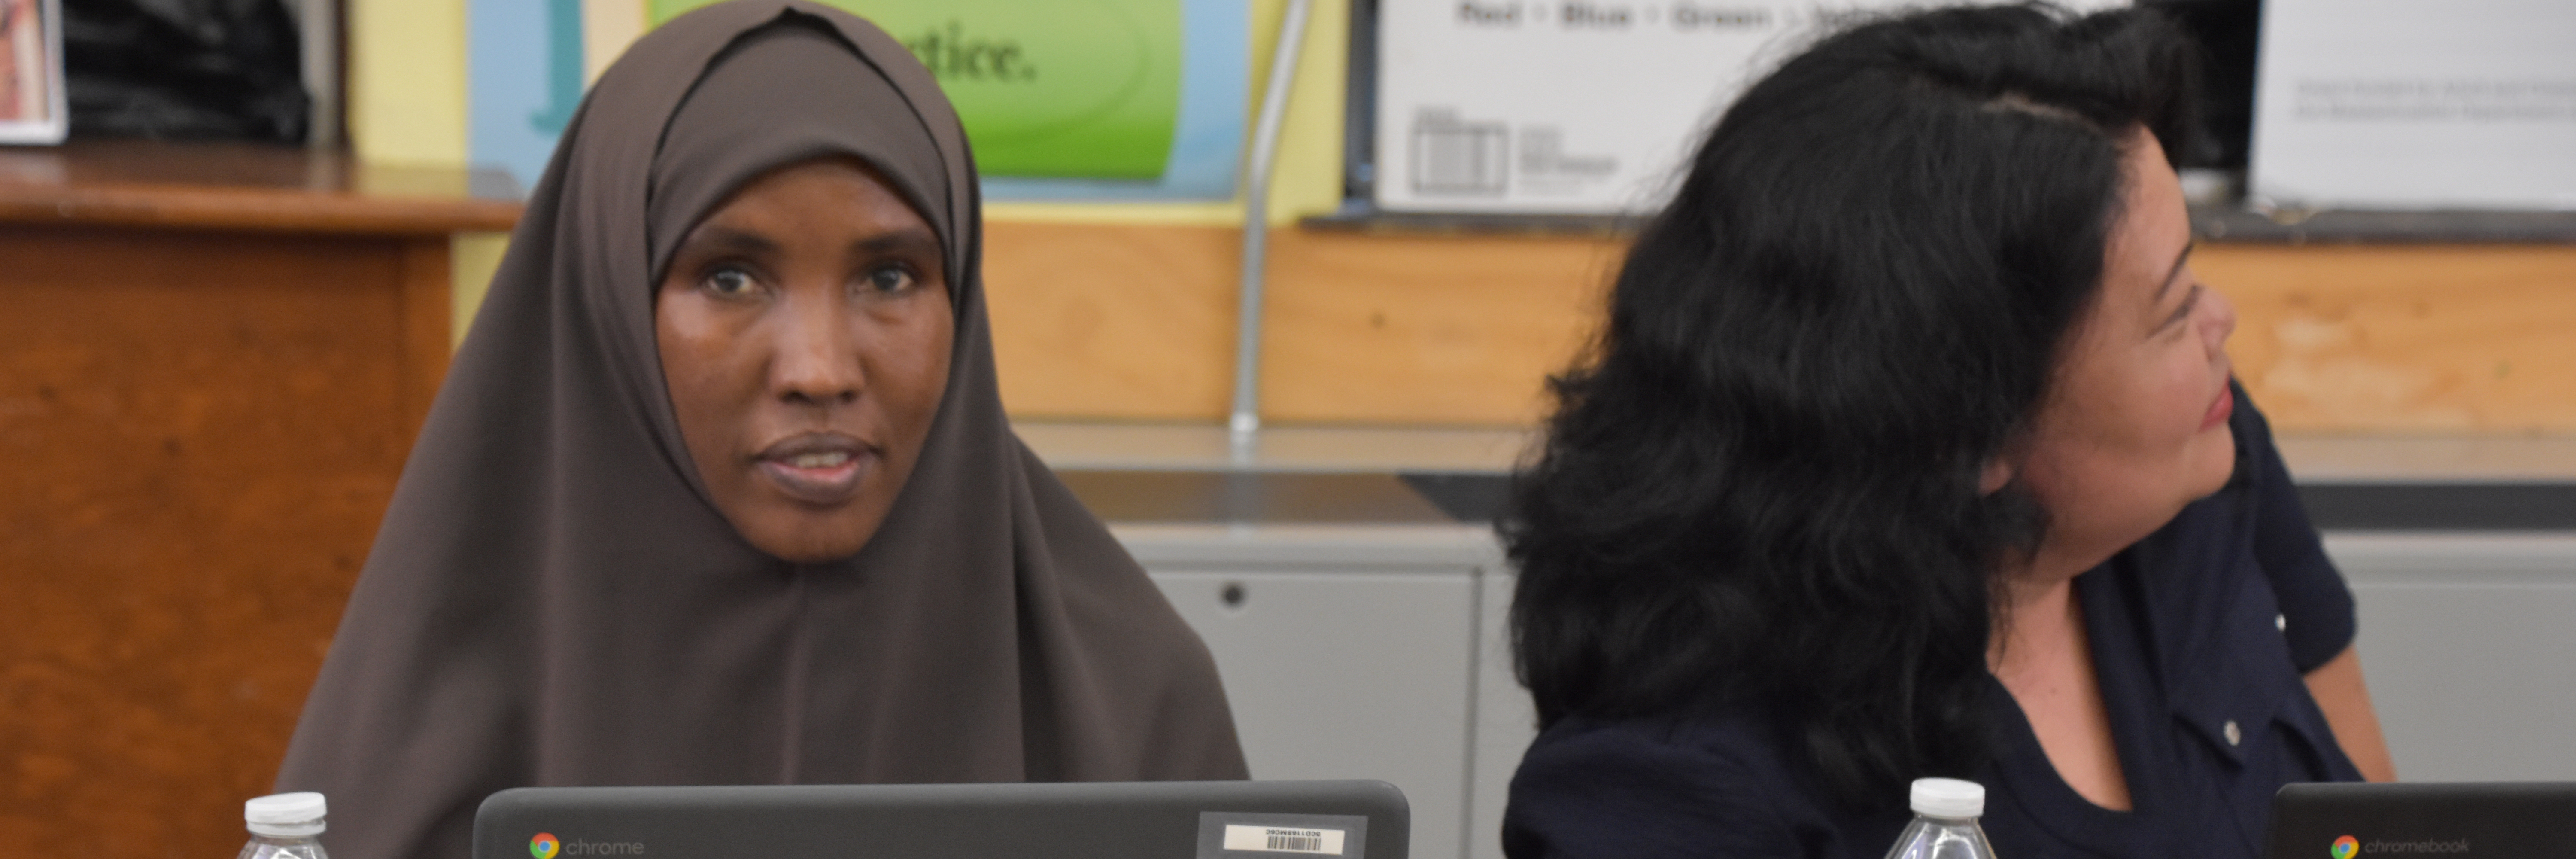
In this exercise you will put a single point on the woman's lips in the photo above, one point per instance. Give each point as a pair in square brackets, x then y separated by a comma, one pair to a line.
[2220, 409]
[817, 468]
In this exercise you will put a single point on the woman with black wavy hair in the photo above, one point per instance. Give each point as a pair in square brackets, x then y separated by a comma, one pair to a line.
[1911, 449]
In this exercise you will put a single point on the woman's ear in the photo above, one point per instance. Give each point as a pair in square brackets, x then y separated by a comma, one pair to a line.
[1996, 474]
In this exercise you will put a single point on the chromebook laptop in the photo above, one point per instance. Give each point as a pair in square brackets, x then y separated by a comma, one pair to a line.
[1107, 820]
[2485, 820]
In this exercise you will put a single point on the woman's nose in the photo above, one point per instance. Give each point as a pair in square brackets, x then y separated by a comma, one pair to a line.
[2221, 321]
[816, 360]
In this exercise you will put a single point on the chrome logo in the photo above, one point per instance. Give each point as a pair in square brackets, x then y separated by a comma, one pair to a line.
[544, 846]
[2343, 848]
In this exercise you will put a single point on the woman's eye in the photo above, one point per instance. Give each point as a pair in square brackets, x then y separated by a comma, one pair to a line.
[890, 279]
[730, 282]
[2190, 302]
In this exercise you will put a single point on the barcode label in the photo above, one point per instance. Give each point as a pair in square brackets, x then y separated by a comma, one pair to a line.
[1457, 158]
[1277, 839]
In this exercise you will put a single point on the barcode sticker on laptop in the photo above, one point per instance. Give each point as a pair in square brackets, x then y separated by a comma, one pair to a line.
[1284, 839]
[1275, 835]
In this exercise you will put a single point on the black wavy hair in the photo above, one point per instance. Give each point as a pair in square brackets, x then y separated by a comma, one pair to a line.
[1760, 488]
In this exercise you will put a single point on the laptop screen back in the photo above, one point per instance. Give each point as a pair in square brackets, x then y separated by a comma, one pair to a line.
[1108, 820]
[2503, 820]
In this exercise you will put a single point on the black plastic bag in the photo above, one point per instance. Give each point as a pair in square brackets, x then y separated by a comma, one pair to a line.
[184, 70]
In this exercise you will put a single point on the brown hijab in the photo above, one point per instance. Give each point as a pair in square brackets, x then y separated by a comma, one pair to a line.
[553, 600]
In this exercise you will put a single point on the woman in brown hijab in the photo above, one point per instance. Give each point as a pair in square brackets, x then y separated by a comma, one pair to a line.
[720, 490]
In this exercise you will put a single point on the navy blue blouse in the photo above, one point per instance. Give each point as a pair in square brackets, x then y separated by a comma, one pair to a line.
[2200, 636]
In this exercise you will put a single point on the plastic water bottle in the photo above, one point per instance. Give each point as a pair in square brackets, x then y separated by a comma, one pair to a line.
[283, 826]
[1945, 822]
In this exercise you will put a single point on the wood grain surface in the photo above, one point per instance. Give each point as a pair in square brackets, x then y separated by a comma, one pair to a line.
[1137, 323]
[1129, 323]
[1106, 321]
[198, 434]
[2438, 339]
[1444, 330]
[213, 359]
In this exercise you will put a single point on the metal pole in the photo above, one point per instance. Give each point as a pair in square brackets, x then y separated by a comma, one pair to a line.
[1246, 421]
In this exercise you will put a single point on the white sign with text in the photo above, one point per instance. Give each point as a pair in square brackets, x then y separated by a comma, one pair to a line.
[1569, 106]
[2403, 104]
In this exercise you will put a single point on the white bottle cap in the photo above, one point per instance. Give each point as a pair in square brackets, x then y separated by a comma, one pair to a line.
[1949, 797]
[285, 815]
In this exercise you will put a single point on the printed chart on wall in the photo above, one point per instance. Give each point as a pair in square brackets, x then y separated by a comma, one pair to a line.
[2395, 104]
[1579, 107]
[1062, 99]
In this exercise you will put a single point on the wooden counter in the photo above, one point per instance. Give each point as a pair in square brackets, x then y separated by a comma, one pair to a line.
[1123, 323]
[212, 363]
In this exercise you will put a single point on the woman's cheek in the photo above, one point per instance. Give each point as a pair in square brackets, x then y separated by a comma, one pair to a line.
[2185, 391]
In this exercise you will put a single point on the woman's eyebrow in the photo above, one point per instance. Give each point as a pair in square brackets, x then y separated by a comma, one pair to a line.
[904, 241]
[714, 239]
[2174, 273]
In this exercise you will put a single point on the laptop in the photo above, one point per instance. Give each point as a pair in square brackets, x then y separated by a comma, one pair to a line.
[1078, 820]
[2467, 820]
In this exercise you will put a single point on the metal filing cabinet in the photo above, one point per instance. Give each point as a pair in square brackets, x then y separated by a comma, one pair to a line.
[1359, 651]
[2469, 643]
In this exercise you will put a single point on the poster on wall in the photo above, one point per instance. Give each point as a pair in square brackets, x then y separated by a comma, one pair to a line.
[1569, 107]
[32, 108]
[1062, 99]
[2385, 104]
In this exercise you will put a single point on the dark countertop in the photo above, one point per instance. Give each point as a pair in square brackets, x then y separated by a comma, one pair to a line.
[1193, 474]
[1447, 498]
[2236, 224]
[1267, 498]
